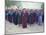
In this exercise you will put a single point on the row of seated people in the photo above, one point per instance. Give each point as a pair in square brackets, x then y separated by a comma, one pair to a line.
[24, 16]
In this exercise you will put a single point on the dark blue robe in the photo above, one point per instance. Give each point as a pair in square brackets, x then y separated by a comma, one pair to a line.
[30, 18]
[43, 18]
[40, 19]
[14, 18]
[10, 17]
[37, 15]
[19, 18]
[6, 14]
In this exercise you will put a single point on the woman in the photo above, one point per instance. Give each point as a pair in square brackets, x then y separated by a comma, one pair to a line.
[10, 16]
[14, 18]
[24, 19]
[19, 17]
[40, 19]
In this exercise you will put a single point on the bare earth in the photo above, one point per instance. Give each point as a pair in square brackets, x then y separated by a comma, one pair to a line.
[11, 28]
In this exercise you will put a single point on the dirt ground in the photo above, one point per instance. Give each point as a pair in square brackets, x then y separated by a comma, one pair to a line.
[34, 28]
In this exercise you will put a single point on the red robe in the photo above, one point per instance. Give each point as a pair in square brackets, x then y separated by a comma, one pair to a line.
[24, 20]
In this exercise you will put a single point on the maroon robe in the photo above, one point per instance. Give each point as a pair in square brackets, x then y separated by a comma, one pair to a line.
[24, 20]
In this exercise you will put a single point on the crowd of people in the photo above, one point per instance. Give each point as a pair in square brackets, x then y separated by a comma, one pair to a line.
[25, 16]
